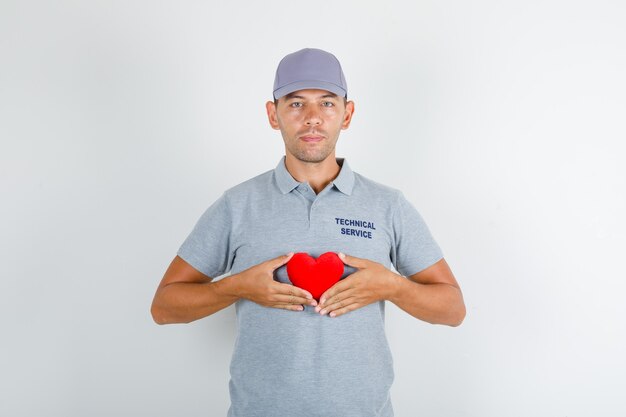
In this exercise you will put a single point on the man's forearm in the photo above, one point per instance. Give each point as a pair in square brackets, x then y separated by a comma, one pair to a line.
[184, 302]
[433, 303]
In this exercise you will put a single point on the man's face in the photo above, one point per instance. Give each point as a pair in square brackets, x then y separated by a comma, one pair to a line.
[310, 122]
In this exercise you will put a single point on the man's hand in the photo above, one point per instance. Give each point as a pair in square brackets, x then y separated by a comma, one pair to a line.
[257, 284]
[370, 283]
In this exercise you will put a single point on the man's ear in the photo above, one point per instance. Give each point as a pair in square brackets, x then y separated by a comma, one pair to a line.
[271, 114]
[347, 117]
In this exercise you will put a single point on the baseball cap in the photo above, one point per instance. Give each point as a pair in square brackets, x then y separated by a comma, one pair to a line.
[309, 68]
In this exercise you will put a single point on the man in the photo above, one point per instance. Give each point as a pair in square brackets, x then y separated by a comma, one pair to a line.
[293, 356]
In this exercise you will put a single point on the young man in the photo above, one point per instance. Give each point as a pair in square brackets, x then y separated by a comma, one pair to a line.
[292, 355]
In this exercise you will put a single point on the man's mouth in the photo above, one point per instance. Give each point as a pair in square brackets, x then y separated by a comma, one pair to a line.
[311, 138]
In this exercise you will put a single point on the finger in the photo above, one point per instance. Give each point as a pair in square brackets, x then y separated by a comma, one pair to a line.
[293, 300]
[279, 261]
[344, 310]
[338, 298]
[338, 305]
[338, 288]
[291, 307]
[352, 260]
[288, 289]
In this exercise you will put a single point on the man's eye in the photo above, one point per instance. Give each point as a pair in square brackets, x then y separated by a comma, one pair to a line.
[328, 104]
[296, 104]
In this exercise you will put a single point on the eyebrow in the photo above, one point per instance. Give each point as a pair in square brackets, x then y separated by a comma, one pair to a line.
[293, 95]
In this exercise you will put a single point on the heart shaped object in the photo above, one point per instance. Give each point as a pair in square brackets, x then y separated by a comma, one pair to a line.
[315, 275]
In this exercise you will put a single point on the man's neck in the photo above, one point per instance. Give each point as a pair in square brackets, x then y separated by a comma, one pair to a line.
[317, 174]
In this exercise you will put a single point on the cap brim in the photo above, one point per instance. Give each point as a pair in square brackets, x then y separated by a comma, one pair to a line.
[305, 85]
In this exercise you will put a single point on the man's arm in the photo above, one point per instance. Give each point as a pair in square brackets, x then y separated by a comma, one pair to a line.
[185, 294]
[432, 295]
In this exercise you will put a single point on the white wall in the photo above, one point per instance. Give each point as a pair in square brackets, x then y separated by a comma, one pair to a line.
[503, 122]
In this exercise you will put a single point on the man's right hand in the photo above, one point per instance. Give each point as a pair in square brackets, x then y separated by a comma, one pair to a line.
[257, 284]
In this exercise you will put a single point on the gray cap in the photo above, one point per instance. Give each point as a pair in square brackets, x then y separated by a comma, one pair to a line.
[309, 68]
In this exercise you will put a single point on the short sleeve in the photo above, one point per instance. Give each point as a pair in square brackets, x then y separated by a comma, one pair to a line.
[208, 246]
[414, 247]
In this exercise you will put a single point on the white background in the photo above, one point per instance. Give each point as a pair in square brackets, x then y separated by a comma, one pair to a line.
[502, 122]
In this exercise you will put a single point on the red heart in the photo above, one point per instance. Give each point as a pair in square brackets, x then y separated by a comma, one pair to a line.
[315, 275]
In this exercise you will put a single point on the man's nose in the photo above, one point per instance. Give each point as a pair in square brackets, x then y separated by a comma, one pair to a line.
[312, 116]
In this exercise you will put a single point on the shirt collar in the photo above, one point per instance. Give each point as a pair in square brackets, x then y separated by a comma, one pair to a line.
[344, 182]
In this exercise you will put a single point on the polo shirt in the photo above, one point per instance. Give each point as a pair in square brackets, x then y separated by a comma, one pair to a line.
[289, 363]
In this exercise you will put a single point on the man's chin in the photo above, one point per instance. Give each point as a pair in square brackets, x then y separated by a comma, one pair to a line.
[312, 158]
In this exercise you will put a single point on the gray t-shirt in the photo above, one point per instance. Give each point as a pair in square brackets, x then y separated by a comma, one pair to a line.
[292, 363]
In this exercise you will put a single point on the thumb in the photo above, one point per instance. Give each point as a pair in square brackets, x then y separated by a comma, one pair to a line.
[280, 261]
[352, 260]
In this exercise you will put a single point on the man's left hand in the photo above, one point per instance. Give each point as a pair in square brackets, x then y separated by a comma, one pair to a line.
[370, 283]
